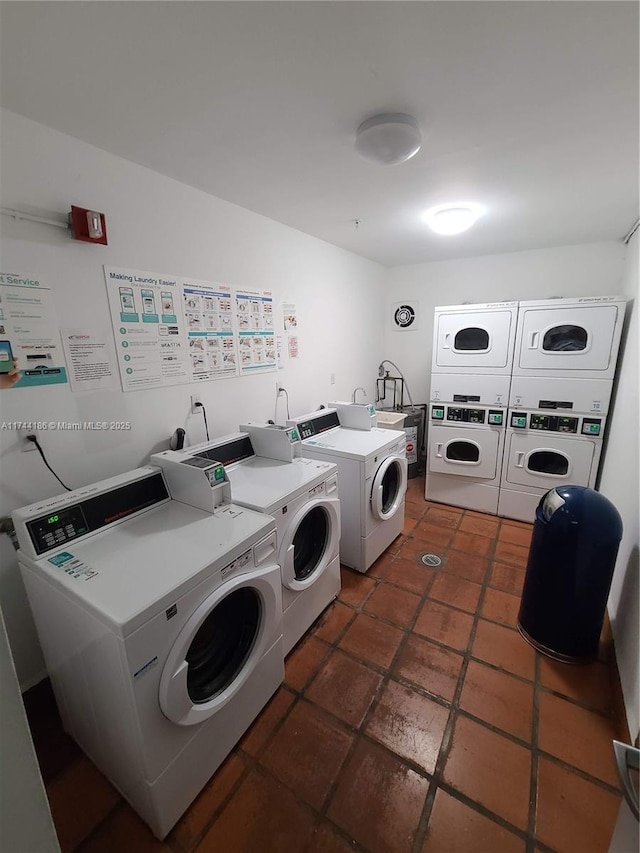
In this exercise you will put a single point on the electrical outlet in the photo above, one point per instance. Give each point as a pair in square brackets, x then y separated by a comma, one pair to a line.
[195, 398]
[332, 379]
[28, 446]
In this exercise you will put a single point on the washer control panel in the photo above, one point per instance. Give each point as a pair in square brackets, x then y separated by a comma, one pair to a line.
[552, 423]
[464, 415]
[556, 423]
[467, 415]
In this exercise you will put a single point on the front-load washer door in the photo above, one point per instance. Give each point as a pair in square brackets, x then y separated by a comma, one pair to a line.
[389, 487]
[310, 542]
[219, 646]
[474, 341]
[544, 462]
[464, 452]
[567, 340]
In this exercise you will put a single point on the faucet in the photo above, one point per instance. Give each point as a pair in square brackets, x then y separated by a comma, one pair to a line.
[353, 396]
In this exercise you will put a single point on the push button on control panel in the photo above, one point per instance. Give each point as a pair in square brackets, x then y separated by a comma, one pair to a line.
[437, 413]
[519, 421]
[591, 426]
[495, 417]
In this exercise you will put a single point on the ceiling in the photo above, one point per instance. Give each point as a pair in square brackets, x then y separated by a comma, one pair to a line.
[529, 108]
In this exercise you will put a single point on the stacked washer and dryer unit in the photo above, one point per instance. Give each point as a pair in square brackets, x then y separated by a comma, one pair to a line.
[470, 381]
[520, 396]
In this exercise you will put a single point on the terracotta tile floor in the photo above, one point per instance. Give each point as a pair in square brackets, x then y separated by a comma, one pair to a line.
[413, 719]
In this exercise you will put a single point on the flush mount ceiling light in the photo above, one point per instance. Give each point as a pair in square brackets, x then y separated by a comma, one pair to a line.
[453, 218]
[388, 139]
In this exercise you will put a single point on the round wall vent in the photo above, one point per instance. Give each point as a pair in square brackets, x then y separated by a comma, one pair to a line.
[405, 316]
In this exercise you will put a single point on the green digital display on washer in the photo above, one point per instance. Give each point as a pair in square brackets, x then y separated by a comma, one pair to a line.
[495, 418]
[519, 421]
[437, 414]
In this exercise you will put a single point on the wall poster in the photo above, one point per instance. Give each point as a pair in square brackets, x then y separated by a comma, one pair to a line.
[256, 336]
[148, 326]
[208, 311]
[30, 351]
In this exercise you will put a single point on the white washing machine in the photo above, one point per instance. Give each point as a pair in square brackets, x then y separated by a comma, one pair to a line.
[543, 450]
[302, 496]
[474, 339]
[569, 338]
[372, 468]
[161, 626]
[464, 456]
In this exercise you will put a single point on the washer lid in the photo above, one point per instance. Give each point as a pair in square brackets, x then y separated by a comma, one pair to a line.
[266, 484]
[127, 573]
[355, 443]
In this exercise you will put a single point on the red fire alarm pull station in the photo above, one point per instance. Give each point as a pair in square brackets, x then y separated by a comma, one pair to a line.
[88, 225]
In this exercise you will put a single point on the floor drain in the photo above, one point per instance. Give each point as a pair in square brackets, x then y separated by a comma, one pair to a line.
[431, 560]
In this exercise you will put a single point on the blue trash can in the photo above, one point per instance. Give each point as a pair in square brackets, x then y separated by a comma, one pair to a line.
[573, 552]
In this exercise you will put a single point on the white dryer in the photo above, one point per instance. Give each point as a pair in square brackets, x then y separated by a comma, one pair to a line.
[569, 338]
[464, 456]
[161, 626]
[302, 496]
[544, 450]
[474, 339]
[372, 468]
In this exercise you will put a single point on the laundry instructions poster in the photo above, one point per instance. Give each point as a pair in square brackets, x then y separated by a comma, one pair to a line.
[171, 329]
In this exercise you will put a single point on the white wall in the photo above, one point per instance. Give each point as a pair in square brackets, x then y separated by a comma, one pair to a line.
[25, 817]
[619, 482]
[159, 225]
[589, 270]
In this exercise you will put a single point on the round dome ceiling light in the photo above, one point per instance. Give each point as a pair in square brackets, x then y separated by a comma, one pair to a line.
[388, 139]
[453, 218]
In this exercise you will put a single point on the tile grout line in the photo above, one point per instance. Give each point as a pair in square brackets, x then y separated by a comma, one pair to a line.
[386, 677]
[533, 789]
[447, 738]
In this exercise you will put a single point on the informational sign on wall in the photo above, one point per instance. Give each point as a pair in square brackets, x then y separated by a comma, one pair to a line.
[89, 359]
[208, 312]
[170, 329]
[148, 325]
[30, 351]
[256, 337]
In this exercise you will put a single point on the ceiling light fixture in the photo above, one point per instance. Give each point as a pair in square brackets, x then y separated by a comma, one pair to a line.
[388, 139]
[453, 218]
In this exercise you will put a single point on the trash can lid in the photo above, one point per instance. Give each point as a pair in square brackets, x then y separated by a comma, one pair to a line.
[571, 505]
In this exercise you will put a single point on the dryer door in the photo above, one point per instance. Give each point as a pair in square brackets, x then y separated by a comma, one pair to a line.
[567, 339]
[310, 542]
[474, 341]
[464, 452]
[389, 487]
[219, 646]
[544, 462]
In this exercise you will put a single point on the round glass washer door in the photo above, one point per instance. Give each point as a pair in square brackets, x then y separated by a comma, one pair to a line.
[389, 487]
[218, 647]
[310, 542]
